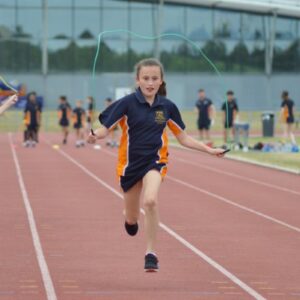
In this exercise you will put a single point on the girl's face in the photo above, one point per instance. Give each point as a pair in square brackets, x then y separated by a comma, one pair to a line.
[149, 80]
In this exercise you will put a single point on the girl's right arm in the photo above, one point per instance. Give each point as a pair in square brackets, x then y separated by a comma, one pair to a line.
[98, 134]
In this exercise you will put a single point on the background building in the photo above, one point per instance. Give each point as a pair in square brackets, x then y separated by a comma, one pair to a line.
[50, 45]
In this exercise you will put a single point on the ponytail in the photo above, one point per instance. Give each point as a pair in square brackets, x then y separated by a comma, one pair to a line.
[162, 91]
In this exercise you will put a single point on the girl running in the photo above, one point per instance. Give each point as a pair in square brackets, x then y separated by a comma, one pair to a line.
[143, 154]
[64, 115]
[78, 123]
[10, 101]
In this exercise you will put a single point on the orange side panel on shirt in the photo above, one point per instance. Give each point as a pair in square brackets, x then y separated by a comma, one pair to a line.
[174, 127]
[163, 172]
[123, 149]
[27, 118]
[286, 113]
[163, 151]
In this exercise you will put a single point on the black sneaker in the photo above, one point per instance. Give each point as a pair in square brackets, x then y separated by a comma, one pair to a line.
[151, 263]
[131, 229]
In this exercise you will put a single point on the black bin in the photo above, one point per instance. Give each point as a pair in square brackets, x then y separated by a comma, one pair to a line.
[267, 119]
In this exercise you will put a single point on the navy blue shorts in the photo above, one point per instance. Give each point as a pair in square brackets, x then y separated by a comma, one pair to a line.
[204, 125]
[64, 122]
[290, 120]
[78, 125]
[128, 181]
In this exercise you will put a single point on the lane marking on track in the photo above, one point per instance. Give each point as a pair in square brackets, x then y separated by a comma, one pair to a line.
[262, 183]
[234, 204]
[198, 252]
[225, 200]
[48, 284]
[246, 160]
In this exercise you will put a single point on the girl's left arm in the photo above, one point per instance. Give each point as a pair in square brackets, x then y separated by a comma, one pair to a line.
[187, 141]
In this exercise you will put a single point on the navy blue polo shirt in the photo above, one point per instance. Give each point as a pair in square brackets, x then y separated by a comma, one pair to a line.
[203, 106]
[144, 139]
[31, 113]
[229, 109]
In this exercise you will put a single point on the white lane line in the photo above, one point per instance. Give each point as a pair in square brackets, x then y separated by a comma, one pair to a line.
[238, 176]
[246, 160]
[48, 284]
[233, 203]
[206, 258]
[226, 200]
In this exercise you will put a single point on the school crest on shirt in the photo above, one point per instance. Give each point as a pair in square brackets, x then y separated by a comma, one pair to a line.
[160, 117]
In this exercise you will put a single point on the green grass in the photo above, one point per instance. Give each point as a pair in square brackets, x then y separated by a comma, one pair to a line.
[11, 121]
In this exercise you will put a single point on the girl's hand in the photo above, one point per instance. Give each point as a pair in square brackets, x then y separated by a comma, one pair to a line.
[12, 100]
[91, 138]
[219, 152]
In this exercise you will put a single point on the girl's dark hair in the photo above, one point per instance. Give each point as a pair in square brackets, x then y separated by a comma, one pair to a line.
[149, 62]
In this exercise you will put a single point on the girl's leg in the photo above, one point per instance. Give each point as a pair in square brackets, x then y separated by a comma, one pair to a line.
[65, 133]
[290, 133]
[151, 185]
[285, 131]
[77, 131]
[132, 203]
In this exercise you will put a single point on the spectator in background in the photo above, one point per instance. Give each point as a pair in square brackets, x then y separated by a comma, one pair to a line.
[90, 113]
[230, 110]
[64, 115]
[32, 120]
[112, 135]
[206, 114]
[10, 101]
[79, 117]
[287, 113]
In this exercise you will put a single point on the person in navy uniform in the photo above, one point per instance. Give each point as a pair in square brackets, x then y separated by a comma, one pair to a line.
[287, 113]
[32, 120]
[64, 116]
[79, 117]
[206, 112]
[143, 153]
[90, 112]
[230, 111]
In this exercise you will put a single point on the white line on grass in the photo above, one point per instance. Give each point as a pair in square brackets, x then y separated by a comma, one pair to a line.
[206, 258]
[226, 200]
[239, 176]
[48, 284]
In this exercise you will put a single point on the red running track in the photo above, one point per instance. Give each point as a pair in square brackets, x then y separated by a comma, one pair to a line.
[243, 217]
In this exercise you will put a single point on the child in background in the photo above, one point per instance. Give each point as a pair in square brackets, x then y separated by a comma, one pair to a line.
[79, 117]
[64, 115]
[90, 113]
[230, 112]
[32, 120]
[287, 113]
